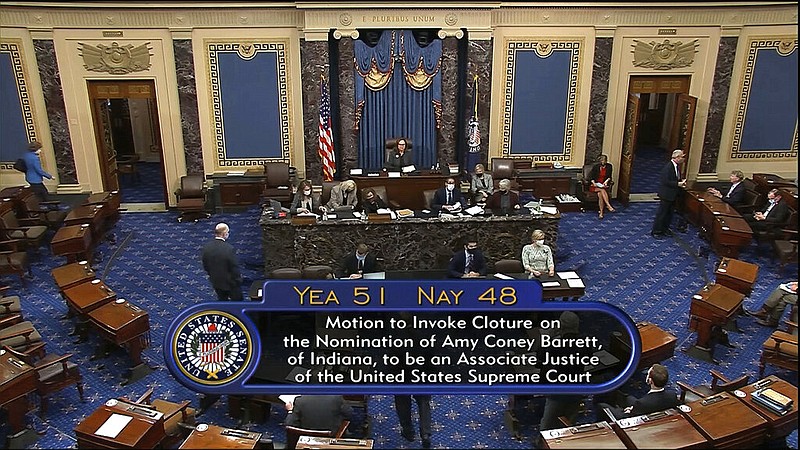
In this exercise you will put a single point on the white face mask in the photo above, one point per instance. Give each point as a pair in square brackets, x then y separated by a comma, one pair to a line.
[450, 187]
[540, 242]
[307, 192]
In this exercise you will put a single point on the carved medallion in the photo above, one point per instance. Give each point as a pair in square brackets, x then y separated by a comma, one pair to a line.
[451, 19]
[246, 50]
[787, 46]
[115, 59]
[544, 49]
[664, 56]
[345, 19]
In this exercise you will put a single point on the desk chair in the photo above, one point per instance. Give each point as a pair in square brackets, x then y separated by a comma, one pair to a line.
[509, 266]
[785, 249]
[24, 230]
[126, 165]
[503, 168]
[428, 197]
[286, 273]
[13, 260]
[294, 433]
[9, 305]
[780, 349]
[325, 197]
[22, 337]
[719, 383]
[587, 197]
[54, 373]
[380, 191]
[44, 213]
[192, 198]
[317, 272]
[390, 145]
[277, 185]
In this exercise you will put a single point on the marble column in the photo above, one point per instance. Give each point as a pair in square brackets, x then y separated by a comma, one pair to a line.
[314, 62]
[598, 101]
[56, 110]
[719, 100]
[479, 62]
[187, 95]
[348, 154]
[448, 138]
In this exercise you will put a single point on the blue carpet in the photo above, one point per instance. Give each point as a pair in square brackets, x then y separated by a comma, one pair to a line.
[147, 187]
[160, 270]
[646, 166]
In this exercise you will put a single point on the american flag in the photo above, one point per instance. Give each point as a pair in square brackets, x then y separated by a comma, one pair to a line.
[326, 154]
[211, 350]
[474, 133]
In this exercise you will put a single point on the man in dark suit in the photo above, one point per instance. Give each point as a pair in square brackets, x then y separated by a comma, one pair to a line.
[774, 215]
[357, 263]
[318, 412]
[467, 263]
[222, 265]
[735, 194]
[657, 399]
[400, 157]
[670, 188]
[503, 198]
[448, 198]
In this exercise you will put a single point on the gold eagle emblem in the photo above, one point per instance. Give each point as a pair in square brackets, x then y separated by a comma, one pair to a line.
[665, 55]
[115, 58]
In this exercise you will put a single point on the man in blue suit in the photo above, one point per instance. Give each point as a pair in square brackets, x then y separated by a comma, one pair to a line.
[735, 194]
[448, 198]
[670, 188]
[467, 263]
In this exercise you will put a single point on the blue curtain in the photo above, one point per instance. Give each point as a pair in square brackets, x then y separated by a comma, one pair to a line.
[398, 93]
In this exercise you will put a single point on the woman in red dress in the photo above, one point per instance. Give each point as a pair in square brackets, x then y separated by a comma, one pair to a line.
[601, 183]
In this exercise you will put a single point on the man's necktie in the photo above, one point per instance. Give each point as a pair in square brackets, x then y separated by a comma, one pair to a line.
[678, 171]
[468, 267]
[449, 197]
[769, 208]
[360, 265]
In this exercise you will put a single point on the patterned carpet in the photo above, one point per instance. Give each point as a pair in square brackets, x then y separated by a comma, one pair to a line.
[146, 186]
[646, 166]
[155, 264]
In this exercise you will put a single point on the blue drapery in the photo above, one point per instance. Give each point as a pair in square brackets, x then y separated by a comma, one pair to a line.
[398, 93]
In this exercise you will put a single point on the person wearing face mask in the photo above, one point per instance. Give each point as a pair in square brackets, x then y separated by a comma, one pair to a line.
[481, 185]
[357, 263]
[504, 199]
[343, 195]
[448, 198]
[537, 258]
[34, 174]
[469, 262]
[372, 202]
[222, 265]
[774, 215]
[304, 201]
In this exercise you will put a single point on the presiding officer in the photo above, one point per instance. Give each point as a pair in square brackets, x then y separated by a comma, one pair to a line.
[222, 265]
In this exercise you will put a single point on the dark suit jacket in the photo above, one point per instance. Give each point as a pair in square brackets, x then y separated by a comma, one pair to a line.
[737, 196]
[596, 172]
[221, 264]
[397, 162]
[319, 412]
[298, 198]
[372, 208]
[350, 264]
[493, 202]
[778, 215]
[668, 188]
[440, 198]
[459, 261]
[654, 402]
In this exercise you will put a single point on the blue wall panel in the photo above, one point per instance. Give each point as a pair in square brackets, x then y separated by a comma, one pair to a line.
[771, 115]
[250, 105]
[13, 138]
[541, 90]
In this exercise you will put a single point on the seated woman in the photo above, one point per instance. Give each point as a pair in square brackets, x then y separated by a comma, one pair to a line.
[537, 258]
[601, 178]
[400, 157]
[343, 194]
[481, 185]
[372, 202]
[304, 202]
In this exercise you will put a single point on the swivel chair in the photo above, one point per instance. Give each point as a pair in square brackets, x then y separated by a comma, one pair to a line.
[277, 185]
[192, 198]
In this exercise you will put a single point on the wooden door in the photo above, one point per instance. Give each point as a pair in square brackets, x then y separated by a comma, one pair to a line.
[628, 148]
[682, 126]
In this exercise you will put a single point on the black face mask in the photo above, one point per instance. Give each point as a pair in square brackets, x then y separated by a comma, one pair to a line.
[472, 251]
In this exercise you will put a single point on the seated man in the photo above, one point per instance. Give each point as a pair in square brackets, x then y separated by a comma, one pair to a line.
[372, 202]
[658, 398]
[481, 184]
[467, 263]
[400, 157]
[343, 194]
[771, 311]
[735, 194]
[318, 412]
[774, 216]
[357, 263]
[503, 199]
[448, 198]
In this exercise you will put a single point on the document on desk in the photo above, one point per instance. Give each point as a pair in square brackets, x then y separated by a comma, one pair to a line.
[567, 275]
[394, 174]
[474, 210]
[549, 284]
[503, 276]
[550, 210]
[575, 283]
[113, 426]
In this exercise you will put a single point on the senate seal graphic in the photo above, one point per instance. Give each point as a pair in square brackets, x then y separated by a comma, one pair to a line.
[212, 347]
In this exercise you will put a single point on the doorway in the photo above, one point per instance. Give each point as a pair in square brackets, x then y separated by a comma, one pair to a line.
[659, 119]
[128, 137]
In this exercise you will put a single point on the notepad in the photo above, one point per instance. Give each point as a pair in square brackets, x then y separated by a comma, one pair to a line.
[551, 284]
[113, 425]
[409, 168]
[503, 276]
[394, 174]
[549, 210]
[575, 283]
[567, 275]
[355, 171]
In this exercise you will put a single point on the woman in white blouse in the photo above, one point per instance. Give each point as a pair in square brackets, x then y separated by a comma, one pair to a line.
[537, 258]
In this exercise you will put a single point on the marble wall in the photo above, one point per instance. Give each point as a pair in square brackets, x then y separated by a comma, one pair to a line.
[56, 111]
[598, 101]
[314, 62]
[348, 154]
[448, 137]
[479, 62]
[718, 103]
[187, 94]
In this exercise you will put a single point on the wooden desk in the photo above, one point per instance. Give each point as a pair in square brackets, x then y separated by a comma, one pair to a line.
[727, 422]
[406, 190]
[73, 241]
[663, 429]
[212, 436]
[110, 202]
[720, 223]
[594, 435]
[17, 380]
[777, 426]
[729, 235]
[72, 274]
[713, 307]
[86, 297]
[123, 323]
[737, 275]
[332, 443]
[657, 345]
[145, 429]
[94, 215]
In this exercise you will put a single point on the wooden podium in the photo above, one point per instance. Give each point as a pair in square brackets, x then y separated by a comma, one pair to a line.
[663, 429]
[727, 422]
[123, 323]
[712, 308]
[594, 435]
[737, 275]
[144, 427]
[778, 426]
[72, 274]
[212, 436]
